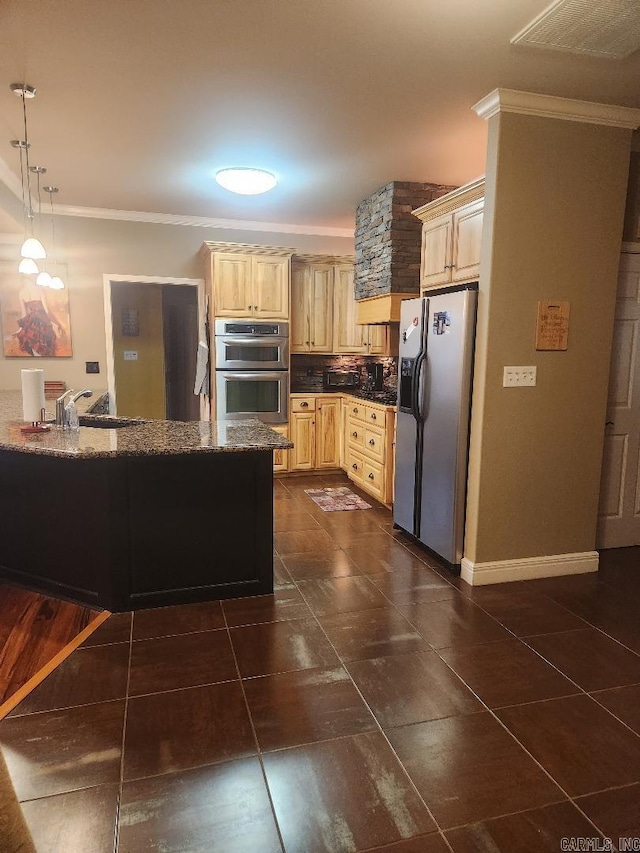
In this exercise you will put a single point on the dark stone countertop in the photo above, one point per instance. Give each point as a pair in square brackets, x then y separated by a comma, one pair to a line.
[134, 437]
[357, 393]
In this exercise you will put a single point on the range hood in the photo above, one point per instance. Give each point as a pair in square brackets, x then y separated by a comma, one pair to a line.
[387, 244]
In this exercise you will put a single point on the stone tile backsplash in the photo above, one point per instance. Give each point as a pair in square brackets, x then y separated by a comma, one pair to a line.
[307, 371]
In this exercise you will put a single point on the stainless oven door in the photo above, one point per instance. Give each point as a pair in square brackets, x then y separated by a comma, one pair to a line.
[239, 352]
[255, 394]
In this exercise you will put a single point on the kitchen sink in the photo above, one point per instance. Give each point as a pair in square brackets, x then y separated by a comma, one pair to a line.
[108, 422]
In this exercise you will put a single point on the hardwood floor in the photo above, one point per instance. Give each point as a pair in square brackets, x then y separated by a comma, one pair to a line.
[36, 632]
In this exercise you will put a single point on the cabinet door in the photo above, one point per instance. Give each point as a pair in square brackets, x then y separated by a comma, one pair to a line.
[328, 433]
[377, 340]
[302, 431]
[270, 287]
[320, 307]
[347, 334]
[467, 241]
[232, 285]
[299, 328]
[281, 457]
[435, 265]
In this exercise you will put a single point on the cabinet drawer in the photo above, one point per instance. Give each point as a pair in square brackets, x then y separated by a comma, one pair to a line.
[375, 416]
[303, 404]
[357, 410]
[373, 478]
[355, 432]
[355, 465]
[374, 442]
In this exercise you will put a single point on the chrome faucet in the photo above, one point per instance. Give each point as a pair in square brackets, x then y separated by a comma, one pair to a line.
[61, 419]
[60, 404]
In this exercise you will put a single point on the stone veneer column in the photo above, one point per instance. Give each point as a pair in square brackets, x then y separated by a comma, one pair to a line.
[388, 237]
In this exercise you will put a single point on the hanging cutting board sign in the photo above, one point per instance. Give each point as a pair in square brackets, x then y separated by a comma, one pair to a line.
[552, 326]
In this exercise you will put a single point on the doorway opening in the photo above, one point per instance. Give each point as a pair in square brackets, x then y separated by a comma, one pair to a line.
[153, 327]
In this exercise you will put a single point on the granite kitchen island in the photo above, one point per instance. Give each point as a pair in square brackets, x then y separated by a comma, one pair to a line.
[127, 515]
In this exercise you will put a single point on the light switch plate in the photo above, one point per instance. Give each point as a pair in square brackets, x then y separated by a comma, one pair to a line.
[130, 355]
[519, 377]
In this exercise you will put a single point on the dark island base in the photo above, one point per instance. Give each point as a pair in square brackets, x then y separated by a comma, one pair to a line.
[136, 532]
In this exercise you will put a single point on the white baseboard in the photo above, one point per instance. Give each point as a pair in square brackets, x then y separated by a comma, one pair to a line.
[502, 571]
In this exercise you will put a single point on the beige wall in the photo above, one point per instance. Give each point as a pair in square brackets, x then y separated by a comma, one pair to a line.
[93, 247]
[555, 203]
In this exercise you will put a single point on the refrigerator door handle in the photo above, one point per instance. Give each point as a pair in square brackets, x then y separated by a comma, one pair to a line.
[417, 367]
[415, 385]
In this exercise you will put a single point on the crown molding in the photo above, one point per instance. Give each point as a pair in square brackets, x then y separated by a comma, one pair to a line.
[307, 258]
[9, 179]
[473, 191]
[199, 221]
[550, 106]
[210, 248]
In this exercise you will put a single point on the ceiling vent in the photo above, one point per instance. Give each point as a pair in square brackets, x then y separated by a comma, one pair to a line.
[604, 28]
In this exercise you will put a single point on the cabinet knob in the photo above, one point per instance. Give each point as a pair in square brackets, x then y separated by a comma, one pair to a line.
[354, 434]
[371, 476]
[304, 405]
[355, 465]
[248, 307]
[373, 416]
[449, 266]
[355, 411]
[371, 442]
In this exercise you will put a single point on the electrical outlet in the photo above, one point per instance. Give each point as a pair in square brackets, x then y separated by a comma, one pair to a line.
[518, 377]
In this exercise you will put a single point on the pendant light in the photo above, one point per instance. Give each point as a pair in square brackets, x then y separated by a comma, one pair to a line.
[43, 279]
[56, 283]
[32, 248]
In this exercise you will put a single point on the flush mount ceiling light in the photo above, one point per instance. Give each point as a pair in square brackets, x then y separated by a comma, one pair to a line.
[246, 181]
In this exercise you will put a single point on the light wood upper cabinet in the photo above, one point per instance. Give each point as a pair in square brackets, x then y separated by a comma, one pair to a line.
[270, 287]
[435, 267]
[347, 334]
[467, 242]
[452, 236]
[311, 307]
[248, 281]
[375, 339]
[232, 285]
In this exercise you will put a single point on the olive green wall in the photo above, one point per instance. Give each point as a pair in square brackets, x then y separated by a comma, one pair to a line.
[555, 198]
[93, 247]
[140, 384]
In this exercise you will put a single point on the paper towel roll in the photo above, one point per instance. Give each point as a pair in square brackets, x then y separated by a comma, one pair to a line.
[32, 394]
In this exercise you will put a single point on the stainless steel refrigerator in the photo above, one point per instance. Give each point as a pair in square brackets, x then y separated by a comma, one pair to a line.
[434, 399]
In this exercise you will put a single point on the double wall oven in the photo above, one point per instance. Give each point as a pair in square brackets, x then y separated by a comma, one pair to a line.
[252, 370]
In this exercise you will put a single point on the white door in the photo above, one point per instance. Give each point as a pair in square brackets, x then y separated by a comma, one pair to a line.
[619, 512]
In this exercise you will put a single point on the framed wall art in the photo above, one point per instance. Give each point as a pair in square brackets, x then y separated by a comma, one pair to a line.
[35, 320]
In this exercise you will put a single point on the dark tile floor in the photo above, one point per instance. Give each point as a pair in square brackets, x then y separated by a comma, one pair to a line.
[374, 702]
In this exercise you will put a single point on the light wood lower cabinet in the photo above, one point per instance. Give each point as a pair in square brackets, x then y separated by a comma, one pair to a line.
[340, 431]
[368, 436]
[315, 431]
[328, 432]
[281, 457]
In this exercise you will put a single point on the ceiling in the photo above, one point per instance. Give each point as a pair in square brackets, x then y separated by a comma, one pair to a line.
[140, 102]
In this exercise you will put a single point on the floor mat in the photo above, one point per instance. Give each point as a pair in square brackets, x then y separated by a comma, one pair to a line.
[337, 500]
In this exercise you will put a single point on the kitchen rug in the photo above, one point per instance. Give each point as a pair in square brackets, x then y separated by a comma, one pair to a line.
[337, 500]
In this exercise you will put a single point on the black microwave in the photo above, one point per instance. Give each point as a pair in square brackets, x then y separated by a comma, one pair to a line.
[336, 380]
